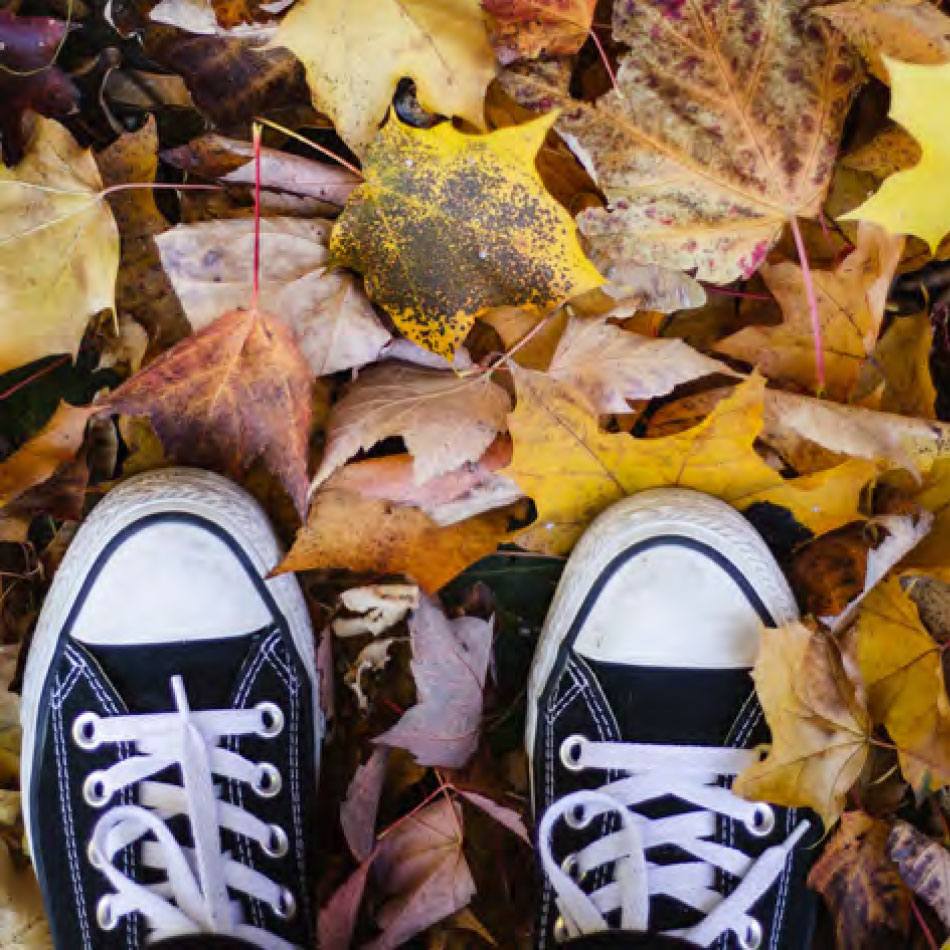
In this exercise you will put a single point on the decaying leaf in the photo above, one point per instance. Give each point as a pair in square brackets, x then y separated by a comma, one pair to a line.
[356, 51]
[371, 659]
[358, 811]
[901, 666]
[892, 150]
[714, 135]
[573, 470]
[820, 729]
[59, 248]
[915, 201]
[850, 308]
[529, 28]
[610, 365]
[924, 865]
[378, 608]
[861, 886]
[449, 663]
[448, 224]
[329, 315]
[421, 867]
[913, 31]
[22, 920]
[445, 420]
[235, 391]
[345, 530]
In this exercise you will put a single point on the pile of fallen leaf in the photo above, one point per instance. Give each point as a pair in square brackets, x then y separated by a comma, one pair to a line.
[515, 261]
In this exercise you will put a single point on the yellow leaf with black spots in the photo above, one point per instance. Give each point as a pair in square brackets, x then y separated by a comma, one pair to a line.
[573, 470]
[448, 224]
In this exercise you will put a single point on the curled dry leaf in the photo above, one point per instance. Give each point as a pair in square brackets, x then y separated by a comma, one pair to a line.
[901, 666]
[610, 365]
[353, 69]
[573, 470]
[358, 811]
[649, 287]
[924, 865]
[913, 31]
[366, 535]
[820, 728]
[330, 317]
[444, 419]
[59, 248]
[420, 865]
[900, 366]
[712, 138]
[448, 224]
[371, 659]
[378, 608]
[233, 392]
[524, 29]
[449, 663]
[850, 309]
[860, 884]
[915, 201]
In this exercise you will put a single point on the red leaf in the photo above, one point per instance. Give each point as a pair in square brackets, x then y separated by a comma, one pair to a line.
[337, 919]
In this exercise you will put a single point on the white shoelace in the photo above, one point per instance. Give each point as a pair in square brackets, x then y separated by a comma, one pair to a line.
[193, 897]
[690, 774]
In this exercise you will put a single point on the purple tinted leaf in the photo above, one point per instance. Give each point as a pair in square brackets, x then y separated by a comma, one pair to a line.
[358, 811]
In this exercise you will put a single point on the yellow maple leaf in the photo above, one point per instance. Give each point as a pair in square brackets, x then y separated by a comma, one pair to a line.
[902, 669]
[820, 730]
[850, 309]
[447, 225]
[916, 201]
[573, 470]
[59, 248]
[356, 51]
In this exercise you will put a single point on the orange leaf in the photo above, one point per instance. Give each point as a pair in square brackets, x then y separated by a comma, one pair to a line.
[524, 29]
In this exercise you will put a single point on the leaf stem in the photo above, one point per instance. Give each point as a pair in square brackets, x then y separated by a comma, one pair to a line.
[605, 59]
[42, 371]
[300, 138]
[256, 277]
[812, 303]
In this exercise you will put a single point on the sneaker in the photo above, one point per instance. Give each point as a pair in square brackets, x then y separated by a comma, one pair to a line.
[641, 711]
[171, 733]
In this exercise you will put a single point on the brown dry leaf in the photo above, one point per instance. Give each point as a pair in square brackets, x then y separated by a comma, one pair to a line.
[513, 324]
[611, 366]
[356, 51]
[524, 29]
[900, 367]
[370, 536]
[648, 287]
[820, 728]
[869, 903]
[233, 392]
[913, 31]
[573, 470]
[448, 224]
[932, 555]
[901, 666]
[713, 137]
[924, 865]
[444, 419]
[59, 248]
[143, 290]
[850, 309]
[421, 867]
[330, 317]
[892, 150]
[22, 919]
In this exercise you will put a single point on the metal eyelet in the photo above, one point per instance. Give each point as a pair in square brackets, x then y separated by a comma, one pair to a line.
[286, 906]
[96, 790]
[762, 822]
[752, 938]
[278, 844]
[268, 782]
[105, 918]
[95, 858]
[272, 720]
[572, 868]
[560, 931]
[571, 749]
[84, 731]
[579, 817]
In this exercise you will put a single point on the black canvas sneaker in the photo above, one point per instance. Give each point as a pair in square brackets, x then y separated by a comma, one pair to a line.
[171, 733]
[641, 711]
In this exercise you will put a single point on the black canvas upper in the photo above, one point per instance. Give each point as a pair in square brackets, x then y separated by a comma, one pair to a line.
[606, 701]
[237, 672]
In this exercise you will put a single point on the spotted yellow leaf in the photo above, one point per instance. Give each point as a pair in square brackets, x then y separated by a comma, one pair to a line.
[448, 224]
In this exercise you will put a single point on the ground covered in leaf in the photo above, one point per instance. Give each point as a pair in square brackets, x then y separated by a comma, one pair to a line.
[511, 261]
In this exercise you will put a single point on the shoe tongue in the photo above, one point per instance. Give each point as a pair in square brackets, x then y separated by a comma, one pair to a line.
[141, 674]
[673, 706]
